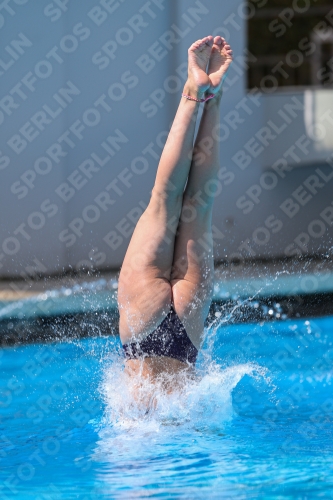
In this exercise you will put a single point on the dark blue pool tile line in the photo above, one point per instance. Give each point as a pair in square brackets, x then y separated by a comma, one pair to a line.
[103, 319]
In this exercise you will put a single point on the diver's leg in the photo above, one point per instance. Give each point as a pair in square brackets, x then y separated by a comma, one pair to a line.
[193, 266]
[145, 294]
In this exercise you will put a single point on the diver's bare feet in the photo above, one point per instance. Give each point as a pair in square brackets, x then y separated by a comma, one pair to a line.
[198, 57]
[220, 60]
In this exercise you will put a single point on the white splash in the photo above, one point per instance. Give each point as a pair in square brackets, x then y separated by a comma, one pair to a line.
[204, 401]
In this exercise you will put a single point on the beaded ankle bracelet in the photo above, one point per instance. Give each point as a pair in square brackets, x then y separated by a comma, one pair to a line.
[198, 100]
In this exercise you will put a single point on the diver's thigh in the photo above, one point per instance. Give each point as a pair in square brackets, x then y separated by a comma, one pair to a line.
[143, 307]
[191, 302]
[152, 244]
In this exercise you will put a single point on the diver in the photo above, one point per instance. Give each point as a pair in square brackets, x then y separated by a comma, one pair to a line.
[166, 280]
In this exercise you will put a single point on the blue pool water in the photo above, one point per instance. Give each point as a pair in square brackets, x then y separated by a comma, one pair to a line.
[257, 422]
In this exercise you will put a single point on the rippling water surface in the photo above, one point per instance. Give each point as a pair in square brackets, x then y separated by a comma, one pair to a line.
[256, 422]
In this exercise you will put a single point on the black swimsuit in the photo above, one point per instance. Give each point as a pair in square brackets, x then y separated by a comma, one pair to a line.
[169, 339]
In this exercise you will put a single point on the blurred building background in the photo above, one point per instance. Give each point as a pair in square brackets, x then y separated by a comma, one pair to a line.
[89, 90]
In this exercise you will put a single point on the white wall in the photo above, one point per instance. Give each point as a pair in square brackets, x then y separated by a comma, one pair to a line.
[131, 92]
